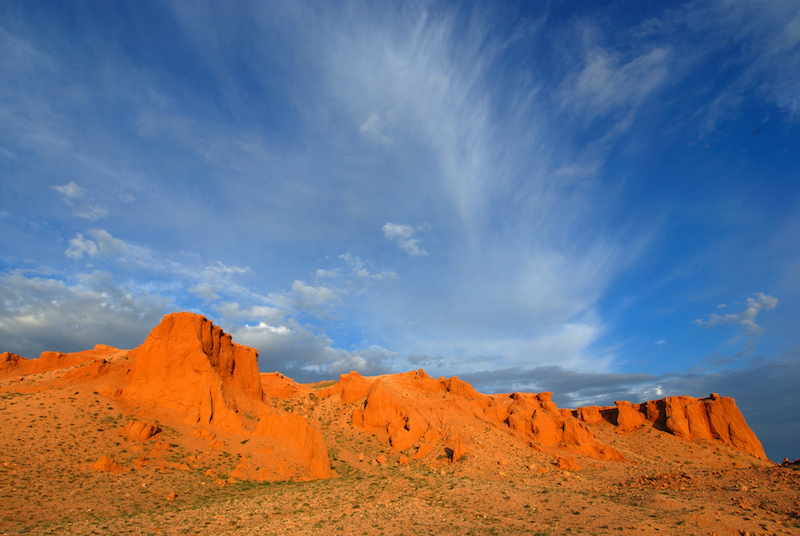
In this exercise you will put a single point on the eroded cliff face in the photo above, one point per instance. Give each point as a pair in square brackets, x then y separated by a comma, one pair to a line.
[715, 418]
[190, 365]
[413, 413]
[190, 375]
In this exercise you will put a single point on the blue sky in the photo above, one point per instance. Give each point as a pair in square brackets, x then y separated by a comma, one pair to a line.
[601, 200]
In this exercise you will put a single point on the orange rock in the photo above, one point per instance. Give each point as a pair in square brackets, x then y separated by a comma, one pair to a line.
[297, 442]
[353, 387]
[381, 459]
[726, 424]
[276, 385]
[10, 364]
[545, 401]
[140, 430]
[567, 464]
[458, 449]
[189, 364]
[203, 434]
[462, 388]
[590, 414]
[423, 450]
[88, 372]
[676, 421]
[628, 419]
[14, 365]
[383, 412]
[106, 464]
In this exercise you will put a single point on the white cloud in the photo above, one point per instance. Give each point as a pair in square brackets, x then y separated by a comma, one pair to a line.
[307, 356]
[43, 313]
[306, 299]
[103, 244]
[207, 291]
[219, 269]
[90, 212]
[233, 312]
[403, 236]
[372, 129]
[79, 246]
[359, 269]
[70, 191]
[607, 82]
[746, 318]
[309, 296]
[73, 196]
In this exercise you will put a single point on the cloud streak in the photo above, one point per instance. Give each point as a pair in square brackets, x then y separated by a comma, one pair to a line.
[746, 318]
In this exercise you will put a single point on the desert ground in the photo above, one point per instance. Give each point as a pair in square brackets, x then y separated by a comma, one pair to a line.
[74, 461]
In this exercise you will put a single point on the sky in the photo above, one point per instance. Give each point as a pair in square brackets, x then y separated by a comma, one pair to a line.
[599, 199]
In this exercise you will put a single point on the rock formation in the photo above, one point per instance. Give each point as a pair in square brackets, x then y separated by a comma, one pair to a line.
[715, 418]
[190, 365]
[190, 374]
[14, 365]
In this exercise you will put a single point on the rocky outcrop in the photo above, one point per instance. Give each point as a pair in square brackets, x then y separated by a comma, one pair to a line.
[190, 365]
[412, 410]
[537, 416]
[628, 417]
[715, 418]
[383, 412]
[276, 385]
[10, 364]
[189, 375]
[13, 365]
[140, 430]
[106, 464]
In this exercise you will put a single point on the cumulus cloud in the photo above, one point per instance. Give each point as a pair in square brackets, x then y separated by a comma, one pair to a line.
[305, 298]
[745, 318]
[45, 313]
[307, 356]
[101, 243]
[70, 191]
[79, 246]
[233, 312]
[404, 237]
[207, 291]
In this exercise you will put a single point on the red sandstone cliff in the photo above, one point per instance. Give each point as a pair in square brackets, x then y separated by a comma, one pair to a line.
[189, 368]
